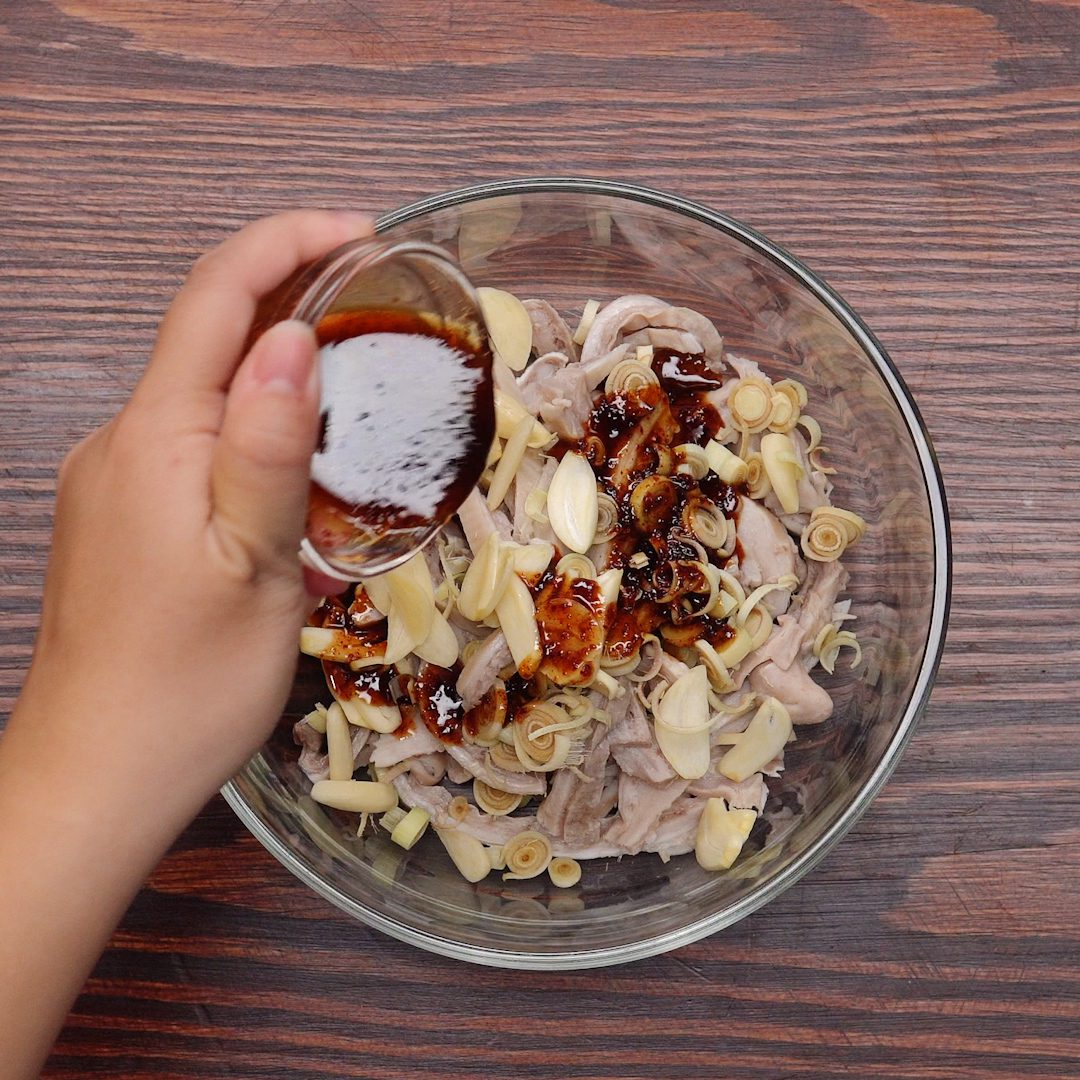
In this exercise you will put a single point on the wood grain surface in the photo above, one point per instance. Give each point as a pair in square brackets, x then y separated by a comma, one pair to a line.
[924, 157]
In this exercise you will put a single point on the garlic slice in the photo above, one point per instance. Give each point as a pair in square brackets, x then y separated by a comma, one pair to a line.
[486, 579]
[508, 412]
[736, 648]
[338, 744]
[765, 736]
[531, 559]
[509, 326]
[516, 613]
[783, 468]
[466, 852]
[359, 796]
[588, 315]
[721, 834]
[411, 614]
[440, 647]
[330, 643]
[571, 503]
[609, 582]
[509, 461]
[682, 721]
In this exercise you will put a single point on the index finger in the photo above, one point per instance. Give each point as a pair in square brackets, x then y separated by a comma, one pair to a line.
[202, 335]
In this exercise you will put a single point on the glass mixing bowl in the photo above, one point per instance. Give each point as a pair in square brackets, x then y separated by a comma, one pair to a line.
[567, 240]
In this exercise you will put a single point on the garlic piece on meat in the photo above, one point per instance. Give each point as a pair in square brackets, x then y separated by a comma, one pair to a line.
[486, 579]
[493, 801]
[527, 855]
[440, 647]
[681, 724]
[783, 468]
[516, 613]
[830, 641]
[411, 614]
[330, 643]
[535, 506]
[466, 852]
[765, 736]
[751, 404]
[728, 466]
[721, 834]
[338, 744]
[829, 532]
[588, 315]
[509, 326]
[572, 504]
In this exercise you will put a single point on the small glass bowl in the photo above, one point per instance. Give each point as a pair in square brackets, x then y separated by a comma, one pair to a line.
[378, 275]
[567, 240]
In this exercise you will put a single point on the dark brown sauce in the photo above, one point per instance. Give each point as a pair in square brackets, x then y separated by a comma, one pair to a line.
[333, 517]
[434, 690]
[372, 685]
[686, 378]
[571, 617]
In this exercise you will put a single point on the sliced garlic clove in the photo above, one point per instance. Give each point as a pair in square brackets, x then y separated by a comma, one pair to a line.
[412, 611]
[721, 834]
[358, 796]
[509, 462]
[516, 613]
[508, 412]
[682, 721]
[736, 648]
[610, 581]
[466, 852]
[532, 559]
[486, 579]
[329, 643]
[380, 718]
[509, 326]
[783, 469]
[571, 503]
[765, 736]
[440, 647]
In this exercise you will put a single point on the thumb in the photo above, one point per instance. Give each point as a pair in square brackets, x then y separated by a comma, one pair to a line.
[262, 459]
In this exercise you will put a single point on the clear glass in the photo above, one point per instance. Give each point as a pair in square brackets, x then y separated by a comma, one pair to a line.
[377, 275]
[566, 241]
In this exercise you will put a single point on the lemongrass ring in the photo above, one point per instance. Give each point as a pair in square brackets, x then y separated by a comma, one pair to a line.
[692, 460]
[527, 855]
[494, 801]
[757, 479]
[607, 517]
[751, 404]
[575, 566]
[458, 808]
[407, 832]
[564, 872]
[630, 376]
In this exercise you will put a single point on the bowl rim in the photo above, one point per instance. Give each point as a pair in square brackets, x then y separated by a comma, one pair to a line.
[942, 594]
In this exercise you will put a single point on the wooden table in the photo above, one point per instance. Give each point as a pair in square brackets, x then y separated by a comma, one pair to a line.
[925, 158]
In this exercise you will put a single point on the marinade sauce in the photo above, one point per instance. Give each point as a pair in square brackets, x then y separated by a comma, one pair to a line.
[407, 421]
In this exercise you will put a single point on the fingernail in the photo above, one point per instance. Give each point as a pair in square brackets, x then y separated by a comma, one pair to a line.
[361, 223]
[284, 358]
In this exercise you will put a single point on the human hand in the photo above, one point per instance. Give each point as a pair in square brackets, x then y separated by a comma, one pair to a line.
[174, 596]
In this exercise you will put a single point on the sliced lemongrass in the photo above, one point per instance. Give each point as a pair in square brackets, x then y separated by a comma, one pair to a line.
[466, 853]
[571, 502]
[643, 354]
[509, 326]
[603, 682]
[629, 376]
[392, 817]
[691, 460]
[486, 579]
[338, 744]
[507, 468]
[564, 872]
[495, 857]
[575, 566]
[410, 828]
[732, 586]
[728, 466]
[794, 390]
[830, 641]
[638, 561]
[588, 315]
[829, 532]
[784, 469]
[765, 736]
[721, 834]
[503, 756]
[724, 605]
[494, 452]
[411, 615]
[316, 719]
[516, 613]
[758, 625]
[527, 855]
[494, 801]
[707, 522]
[757, 479]
[719, 676]
[813, 430]
[755, 598]
[681, 723]
[751, 404]
[457, 809]
[358, 796]
[607, 517]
